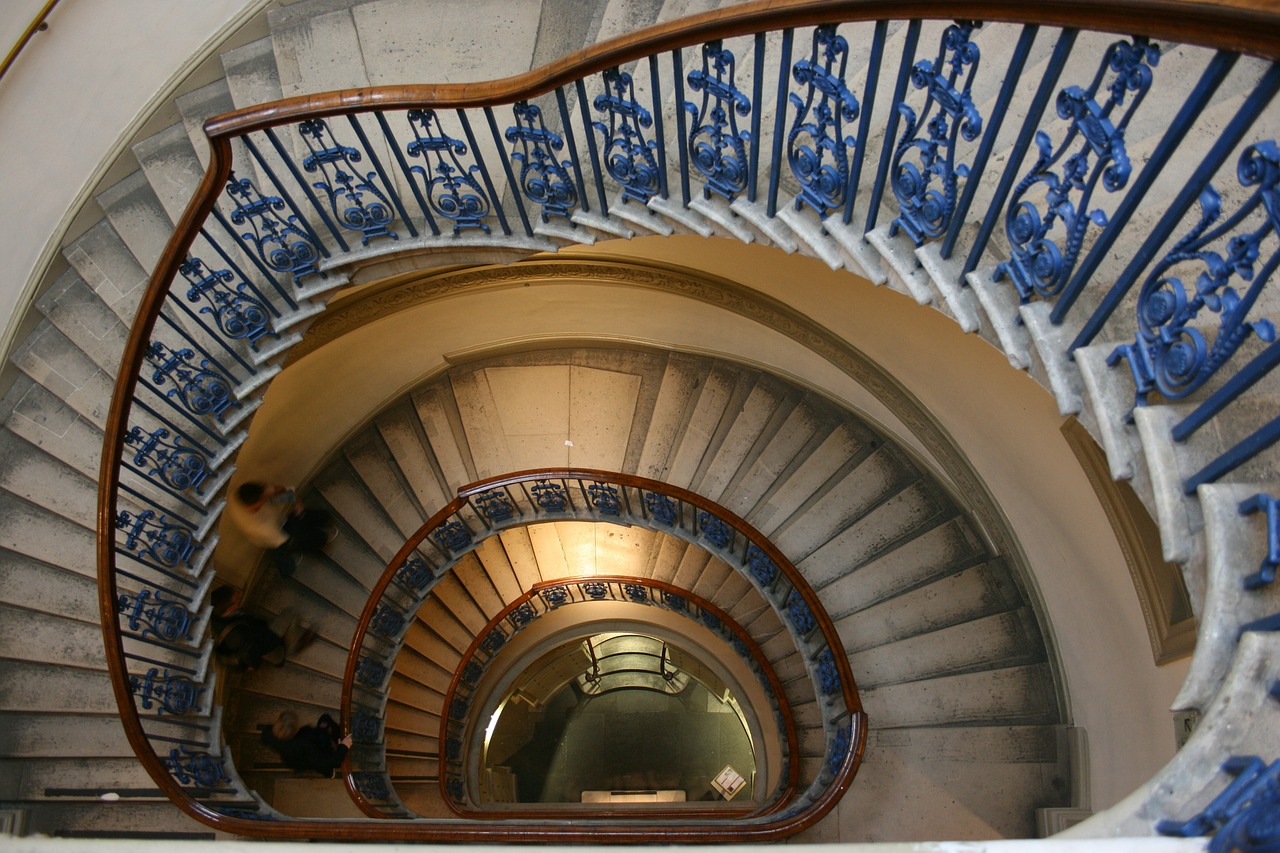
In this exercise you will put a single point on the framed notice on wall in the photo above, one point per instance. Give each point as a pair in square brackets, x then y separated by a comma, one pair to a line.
[728, 782]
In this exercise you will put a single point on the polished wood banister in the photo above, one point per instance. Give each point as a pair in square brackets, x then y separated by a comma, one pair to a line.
[789, 726]
[1245, 26]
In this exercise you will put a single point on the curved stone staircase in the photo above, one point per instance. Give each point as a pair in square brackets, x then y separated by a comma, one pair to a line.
[942, 632]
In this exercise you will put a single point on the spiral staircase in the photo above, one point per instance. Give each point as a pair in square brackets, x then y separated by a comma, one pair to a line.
[714, 342]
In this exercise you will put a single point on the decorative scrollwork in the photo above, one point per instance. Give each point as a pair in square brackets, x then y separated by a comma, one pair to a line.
[495, 505]
[493, 641]
[661, 507]
[717, 148]
[458, 708]
[454, 787]
[154, 615]
[200, 390]
[415, 573]
[452, 188]
[166, 457]
[471, 672]
[716, 531]
[671, 601]
[761, 566]
[191, 767]
[523, 615]
[371, 784]
[386, 621]
[711, 620]
[549, 496]
[1170, 353]
[828, 673]
[839, 750]
[149, 535]
[628, 157]
[452, 749]
[279, 242]
[801, 615]
[555, 596]
[366, 727]
[371, 672]
[604, 498]
[236, 310]
[1245, 816]
[544, 179]
[817, 146]
[344, 184]
[167, 693]
[595, 589]
[1040, 264]
[926, 210]
[452, 536]
[636, 593]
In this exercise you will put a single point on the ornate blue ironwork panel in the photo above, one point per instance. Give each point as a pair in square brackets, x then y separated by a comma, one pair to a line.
[549, 496]
[279, 242]
[495, 505]
[237, 312]
[494, 641]
[636, 592]
[717, 147]
[595, 589]
[154, 615]
[828, 674]
[452, 536]
[154, 536]
[415, 573]
[371, 784]
[452, 749]
[344, 185]
[452, 189]
[191, 767]
[714, 530]
[471, 672]
[839, 750]
[927, 149]
[458, 707]
[761, 566]
[661, 507]
[454, 786]
[801, 616]
[628, 157]
[366, 727]
[1244, 815]
[554, 596]
[244, 814]
[200, 390]
[386, 621]
[817, 145]
[671, 601]
[711, 620]
[167, 693]
[168, 459]
[544, 180]
[1170, 352]
[371, 672]
[1266, 573]
[604, 498]
[522, 615]
[1042, 261]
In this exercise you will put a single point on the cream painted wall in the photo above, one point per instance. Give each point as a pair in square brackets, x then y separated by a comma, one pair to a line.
[68, 103]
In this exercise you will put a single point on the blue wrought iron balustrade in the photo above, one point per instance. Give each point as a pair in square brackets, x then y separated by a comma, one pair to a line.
[459, 720]
[527, 498]
[696, 133]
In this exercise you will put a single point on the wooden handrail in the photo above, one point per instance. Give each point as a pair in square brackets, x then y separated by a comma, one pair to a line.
[784, 707]
[1243, 26]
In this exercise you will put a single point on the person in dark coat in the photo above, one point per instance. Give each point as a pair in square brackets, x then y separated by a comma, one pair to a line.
[315, 748]
[243, 641]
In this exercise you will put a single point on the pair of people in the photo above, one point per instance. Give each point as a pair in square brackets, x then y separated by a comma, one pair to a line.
[244, 642]
[320, 748]
[271, 517]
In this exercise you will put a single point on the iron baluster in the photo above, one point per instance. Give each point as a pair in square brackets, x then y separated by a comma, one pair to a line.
[413, 185]
[549, 496]
[828, 674]
[1243, 814]
[1170, 352]
[717, 148]
[387, 183]
[366, 727]
[386, 622]
[604, 498]
[344, 185]
[172, 694]
[495, 506]
[659, 131]
[301, 182]
[451, 187]
[149, 534]
[779, 122]
[484, 169]
[593, 150]
[1045, 245]
[628, 157]
[864, 121]
[817, 147]
[371, 672]
[544, 179]
[152, 615]
[926, 211]
[163, 456]
[682, 124]
[372, 785]
[201, 390]
[453, 536]
[715, 530]
[801, 616]
[899, 94]
[1270, 507]
[238, 313]
[239, 273]
[662, 508]
[415, 574]
[191, 767]
[278, 241]
[562, 106]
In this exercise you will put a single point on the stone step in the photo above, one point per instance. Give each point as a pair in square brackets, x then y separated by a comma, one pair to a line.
[104, 261]
[125, 818]
[84, 318]
[65, 735]
[54, 361]
[75, 777]
[1012, 696]
[28, 529]
[37, 688]
[47, 422]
